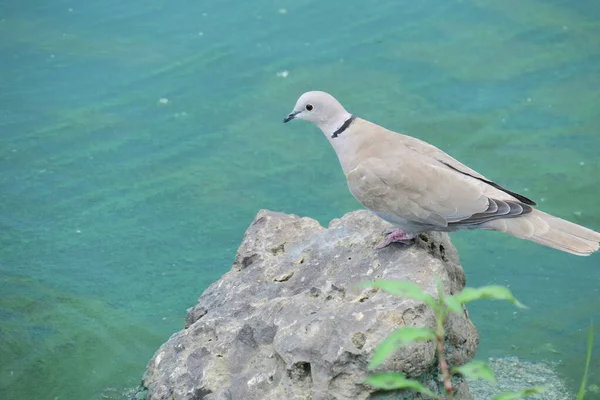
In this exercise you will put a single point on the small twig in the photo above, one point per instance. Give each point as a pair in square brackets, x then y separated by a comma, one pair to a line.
[440, 334]
[444, 367]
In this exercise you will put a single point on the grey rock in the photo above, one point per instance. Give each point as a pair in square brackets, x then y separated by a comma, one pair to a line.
[289, 321]
[514, 375]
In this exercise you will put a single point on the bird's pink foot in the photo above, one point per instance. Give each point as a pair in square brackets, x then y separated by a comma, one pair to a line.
[395, 235]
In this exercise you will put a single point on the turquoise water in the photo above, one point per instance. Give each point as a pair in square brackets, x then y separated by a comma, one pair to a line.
[138, 141]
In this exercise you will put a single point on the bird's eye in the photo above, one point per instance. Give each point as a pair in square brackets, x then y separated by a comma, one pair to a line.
[309, 107]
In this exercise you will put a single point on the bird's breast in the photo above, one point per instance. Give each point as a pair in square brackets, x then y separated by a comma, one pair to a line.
[406, 226]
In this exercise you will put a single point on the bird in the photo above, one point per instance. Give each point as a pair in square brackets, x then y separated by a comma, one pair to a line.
[418, 188]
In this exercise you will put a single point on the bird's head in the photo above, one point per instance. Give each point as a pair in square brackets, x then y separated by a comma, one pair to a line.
[320, 108]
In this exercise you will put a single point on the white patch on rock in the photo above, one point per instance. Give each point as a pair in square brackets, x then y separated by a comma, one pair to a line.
[158, 358]
[257, 379]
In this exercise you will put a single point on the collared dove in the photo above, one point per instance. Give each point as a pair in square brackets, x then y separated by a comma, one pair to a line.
[418, 188]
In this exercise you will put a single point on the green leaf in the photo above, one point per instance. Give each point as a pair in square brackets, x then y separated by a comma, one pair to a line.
[440, 287]
[404, 289]
[453, 304]
[519, 395]
[391, 381]
[487, 292]
[397, 339]
[587, 363]
[476, 370]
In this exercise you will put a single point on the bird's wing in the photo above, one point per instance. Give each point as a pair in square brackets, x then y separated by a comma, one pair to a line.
[413, 189]
[429, 151]
[423, 194]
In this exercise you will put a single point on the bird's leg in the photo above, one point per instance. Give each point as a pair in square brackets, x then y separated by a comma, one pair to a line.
[395, 235]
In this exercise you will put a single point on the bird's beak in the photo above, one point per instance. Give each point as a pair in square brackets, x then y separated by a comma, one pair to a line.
[291, 116]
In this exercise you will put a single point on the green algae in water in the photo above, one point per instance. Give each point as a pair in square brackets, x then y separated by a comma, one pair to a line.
[76, 343]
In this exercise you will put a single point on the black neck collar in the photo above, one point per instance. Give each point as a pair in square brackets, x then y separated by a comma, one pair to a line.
[344, 126]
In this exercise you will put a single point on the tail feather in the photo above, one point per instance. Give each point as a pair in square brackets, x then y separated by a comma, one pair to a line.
[550, 231]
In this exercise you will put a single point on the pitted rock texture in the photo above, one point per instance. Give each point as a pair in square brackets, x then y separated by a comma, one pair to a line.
[290, 322]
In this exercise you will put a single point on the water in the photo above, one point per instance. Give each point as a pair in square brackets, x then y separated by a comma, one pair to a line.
[118, 209]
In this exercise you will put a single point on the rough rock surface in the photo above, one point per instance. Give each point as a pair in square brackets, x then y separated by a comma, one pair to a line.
[514, 375]
[289, 322]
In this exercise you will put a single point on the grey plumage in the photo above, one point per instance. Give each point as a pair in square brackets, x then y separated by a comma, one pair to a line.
[418, 188]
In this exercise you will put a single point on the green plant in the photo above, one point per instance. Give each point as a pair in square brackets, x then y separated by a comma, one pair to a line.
[588, 357]
[441, 306]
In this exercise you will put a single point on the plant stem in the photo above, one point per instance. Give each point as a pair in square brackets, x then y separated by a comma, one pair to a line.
[440, 334]
[444, 367]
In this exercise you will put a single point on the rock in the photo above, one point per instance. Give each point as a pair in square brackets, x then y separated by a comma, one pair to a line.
[289, 321]
[514, 375]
